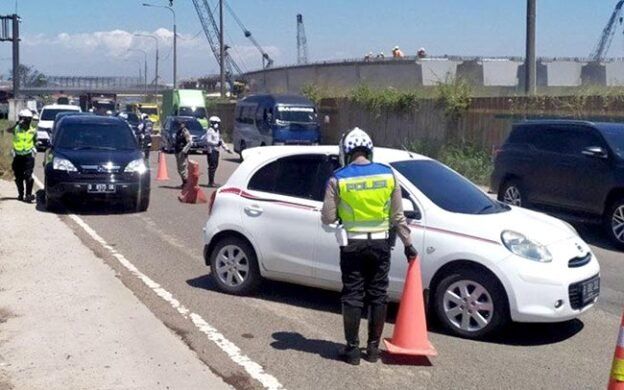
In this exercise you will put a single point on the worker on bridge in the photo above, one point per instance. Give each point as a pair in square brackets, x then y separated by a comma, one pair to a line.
[366, 199]
[24, 140]
[397, 53]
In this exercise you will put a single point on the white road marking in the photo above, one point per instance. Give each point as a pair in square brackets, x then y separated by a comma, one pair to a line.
[254, 369]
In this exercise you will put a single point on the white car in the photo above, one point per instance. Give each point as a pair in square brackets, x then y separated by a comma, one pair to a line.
[46, 122]
[483, 262]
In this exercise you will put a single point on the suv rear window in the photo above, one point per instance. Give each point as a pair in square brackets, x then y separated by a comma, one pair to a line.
[104, 136]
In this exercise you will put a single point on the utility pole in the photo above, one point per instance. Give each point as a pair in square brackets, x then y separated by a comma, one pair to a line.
[13, 37]
[222, 50]
[529, 64]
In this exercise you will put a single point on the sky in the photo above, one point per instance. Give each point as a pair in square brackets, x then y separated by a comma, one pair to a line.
[92, 37]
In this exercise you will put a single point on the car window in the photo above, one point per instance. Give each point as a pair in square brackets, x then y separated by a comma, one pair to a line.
[565, 140]
[614, 133]
[296, 176]
[447, 189]
[547, 139]
[49, 114]
[96, 136]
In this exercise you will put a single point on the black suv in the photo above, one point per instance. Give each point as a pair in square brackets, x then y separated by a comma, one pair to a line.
[96, 157]
[571, 168]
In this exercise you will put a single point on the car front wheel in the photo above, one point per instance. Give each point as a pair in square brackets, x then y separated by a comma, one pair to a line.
[234, 266]
[512, 192]
[470, 304]
[614, 222]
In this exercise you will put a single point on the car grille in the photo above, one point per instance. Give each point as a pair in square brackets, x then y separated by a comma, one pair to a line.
[579, 261]
[99, 169]
[575, 293]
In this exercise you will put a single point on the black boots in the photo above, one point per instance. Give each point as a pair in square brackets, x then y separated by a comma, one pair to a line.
[29, 187]
[351, 317]
[376, 322]
[20, 189]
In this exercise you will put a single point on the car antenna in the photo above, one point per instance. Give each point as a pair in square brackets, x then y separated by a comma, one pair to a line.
[407, 150]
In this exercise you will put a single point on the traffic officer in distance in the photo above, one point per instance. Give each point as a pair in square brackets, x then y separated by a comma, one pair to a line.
[145, 129]
[366, 200]
[214, 141]
[183, 142]
[24, 140]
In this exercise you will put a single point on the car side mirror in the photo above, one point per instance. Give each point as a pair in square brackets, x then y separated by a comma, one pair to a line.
[409, 211]
[595, 151]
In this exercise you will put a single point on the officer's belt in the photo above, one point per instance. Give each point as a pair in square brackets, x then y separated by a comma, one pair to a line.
[368, 236]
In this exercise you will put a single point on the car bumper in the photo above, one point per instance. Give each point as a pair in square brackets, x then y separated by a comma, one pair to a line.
[541, 292]
[61, 186]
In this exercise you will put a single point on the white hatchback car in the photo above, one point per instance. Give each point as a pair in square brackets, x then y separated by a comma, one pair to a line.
[483, 262]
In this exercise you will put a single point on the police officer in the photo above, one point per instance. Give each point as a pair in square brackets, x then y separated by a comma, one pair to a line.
[145, 128]
[214, 141]
[183, 143]
[366, 199]
[24, 140]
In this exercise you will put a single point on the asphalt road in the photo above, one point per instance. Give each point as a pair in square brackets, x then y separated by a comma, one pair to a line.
[294, 332]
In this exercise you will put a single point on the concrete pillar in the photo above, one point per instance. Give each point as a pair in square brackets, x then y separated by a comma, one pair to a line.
[594, 73]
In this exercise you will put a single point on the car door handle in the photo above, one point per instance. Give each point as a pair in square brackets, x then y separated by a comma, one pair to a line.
[254, 209]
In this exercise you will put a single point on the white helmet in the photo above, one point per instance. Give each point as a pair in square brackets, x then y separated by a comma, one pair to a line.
[123, 115]
[25, 113]
[215, 119]
[144, 116]
[355, 139]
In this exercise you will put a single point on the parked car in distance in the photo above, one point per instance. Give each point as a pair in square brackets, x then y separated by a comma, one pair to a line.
[573, 169]
[506, 262]
[95, 157]
[198, 134]
[46, 122]
[262, 120]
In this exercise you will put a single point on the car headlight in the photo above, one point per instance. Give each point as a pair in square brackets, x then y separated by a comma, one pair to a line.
[136, 166]
[522, 246]
[62, 164]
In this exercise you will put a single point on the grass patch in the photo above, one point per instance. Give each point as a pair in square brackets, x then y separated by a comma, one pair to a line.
[469, 160]
[5, 151]
[387, 99]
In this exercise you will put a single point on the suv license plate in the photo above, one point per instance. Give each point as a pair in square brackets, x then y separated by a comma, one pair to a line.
[590, 290]
[101, 188]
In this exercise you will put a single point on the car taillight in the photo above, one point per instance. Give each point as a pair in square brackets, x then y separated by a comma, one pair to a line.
[211, 202]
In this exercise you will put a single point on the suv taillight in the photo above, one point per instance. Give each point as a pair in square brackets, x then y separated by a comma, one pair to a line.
[211, 202]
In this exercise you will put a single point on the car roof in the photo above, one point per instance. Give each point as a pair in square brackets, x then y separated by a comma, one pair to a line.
[92, 119]
[279, 99]
[547, 122]
[61, 107]
[382, 155]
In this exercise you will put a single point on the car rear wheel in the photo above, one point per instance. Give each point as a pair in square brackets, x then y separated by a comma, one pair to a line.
[234, 266]
[513, 193]
[614, 222]
[471, 304]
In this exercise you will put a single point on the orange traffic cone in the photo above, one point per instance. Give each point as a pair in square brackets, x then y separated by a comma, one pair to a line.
[162, 167]
[616, 381]
[191, 193]
[410, 330]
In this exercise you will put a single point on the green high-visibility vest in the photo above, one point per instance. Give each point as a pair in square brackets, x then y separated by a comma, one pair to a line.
[365, 199]
[24, 140]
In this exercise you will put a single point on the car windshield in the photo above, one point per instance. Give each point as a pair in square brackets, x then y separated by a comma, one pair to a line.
[197, 112]
[149, 110]
[615, 137]
[193, 126]
[106, 136]
[447, 189]
[296, 114]
[49, 114]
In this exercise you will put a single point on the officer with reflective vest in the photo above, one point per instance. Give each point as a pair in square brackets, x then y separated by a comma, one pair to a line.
[24, 140]
[365, 198]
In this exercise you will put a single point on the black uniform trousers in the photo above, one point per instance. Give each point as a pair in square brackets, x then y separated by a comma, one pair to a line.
[23, 169]
[213, 164]
[365, 265]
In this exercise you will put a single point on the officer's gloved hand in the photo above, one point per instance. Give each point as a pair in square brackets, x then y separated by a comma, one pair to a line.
[410, 252]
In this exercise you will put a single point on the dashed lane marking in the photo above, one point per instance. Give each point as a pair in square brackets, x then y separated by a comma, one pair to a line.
[254, 369]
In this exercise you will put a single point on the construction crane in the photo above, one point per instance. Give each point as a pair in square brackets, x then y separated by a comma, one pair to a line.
[302, 42]
[601, 49]
[267, 61]
[209, 25]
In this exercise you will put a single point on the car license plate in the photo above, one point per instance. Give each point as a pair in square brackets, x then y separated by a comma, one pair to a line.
[590, 289]
[101, 188]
